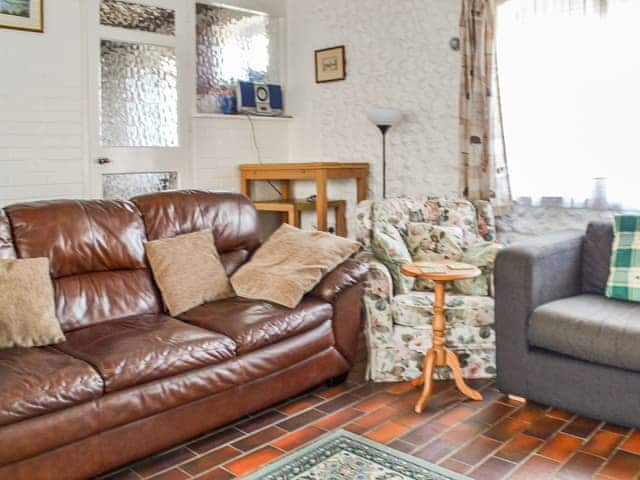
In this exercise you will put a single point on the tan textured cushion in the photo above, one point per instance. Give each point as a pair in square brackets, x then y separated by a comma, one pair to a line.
[289, 264]
[188, 270]
[27, 309]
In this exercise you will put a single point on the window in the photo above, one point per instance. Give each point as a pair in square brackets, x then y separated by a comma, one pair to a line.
[569, 76]
[232, 45]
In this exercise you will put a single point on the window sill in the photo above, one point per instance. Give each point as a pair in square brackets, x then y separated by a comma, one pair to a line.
[240, 116]
[577, 209]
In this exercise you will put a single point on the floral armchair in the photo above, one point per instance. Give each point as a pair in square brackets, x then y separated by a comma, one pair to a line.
[399, 309]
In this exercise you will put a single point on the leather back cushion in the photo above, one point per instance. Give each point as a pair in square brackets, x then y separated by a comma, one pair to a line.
[6, 242]
[231, 216]
[596, 257]
[96, 254]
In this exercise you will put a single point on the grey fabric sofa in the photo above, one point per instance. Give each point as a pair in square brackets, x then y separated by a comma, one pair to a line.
[559, 341]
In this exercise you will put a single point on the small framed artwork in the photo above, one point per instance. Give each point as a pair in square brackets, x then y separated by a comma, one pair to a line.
[330, 64]
[21, 15]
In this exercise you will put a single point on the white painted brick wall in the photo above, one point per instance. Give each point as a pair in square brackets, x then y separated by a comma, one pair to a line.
[42, 129]
[221, 144]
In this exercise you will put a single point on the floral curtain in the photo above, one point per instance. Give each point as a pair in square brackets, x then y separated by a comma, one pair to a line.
[484, 168]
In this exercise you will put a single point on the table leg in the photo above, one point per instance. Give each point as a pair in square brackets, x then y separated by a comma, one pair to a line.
[285, 189]
[245, 186]
[438, 323]
[427, 379]
[454, 364]
[291, 216]
[438, 355]
[285, 194]
[362, 187]
[341, 220]
[321, 201]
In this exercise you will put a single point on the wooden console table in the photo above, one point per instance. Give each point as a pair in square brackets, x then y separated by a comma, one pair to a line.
[320, 172]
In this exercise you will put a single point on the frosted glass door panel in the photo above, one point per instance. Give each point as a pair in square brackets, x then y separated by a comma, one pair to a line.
[138, 95]
[136, 16]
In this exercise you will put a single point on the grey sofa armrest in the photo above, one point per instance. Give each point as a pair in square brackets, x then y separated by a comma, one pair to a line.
[527, 276]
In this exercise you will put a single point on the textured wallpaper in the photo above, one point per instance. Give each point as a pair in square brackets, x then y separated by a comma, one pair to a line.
[397, 56]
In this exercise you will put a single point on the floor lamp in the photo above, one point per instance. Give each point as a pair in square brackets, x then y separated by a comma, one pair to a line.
[384, 118]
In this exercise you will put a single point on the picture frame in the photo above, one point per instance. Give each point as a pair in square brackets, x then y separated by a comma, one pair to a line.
[330, 64]
[26, 15]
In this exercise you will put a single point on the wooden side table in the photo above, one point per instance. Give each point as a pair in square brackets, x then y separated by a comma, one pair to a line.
[320, 172]
[438, 355]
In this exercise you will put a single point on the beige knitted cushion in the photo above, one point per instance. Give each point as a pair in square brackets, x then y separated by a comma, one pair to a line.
[188, 271]
[27, 307]
[289, 264]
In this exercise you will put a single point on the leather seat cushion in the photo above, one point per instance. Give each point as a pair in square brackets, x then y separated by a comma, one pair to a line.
[253, 324]
[34, 381]
[138, 349]
[30, 437]
[589, 327]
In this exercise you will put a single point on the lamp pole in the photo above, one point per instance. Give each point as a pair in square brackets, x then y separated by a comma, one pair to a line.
[384, 129]
[384, 118]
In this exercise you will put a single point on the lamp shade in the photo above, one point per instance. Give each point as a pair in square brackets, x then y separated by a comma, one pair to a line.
[384, 116]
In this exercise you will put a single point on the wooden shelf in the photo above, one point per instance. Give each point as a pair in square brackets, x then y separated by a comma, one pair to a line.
[237, 116]
[290, 210]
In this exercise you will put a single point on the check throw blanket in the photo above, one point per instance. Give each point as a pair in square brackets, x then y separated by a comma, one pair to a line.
[624, 275]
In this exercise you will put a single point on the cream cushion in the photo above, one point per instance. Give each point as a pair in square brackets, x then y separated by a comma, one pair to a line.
[188, 271]
[289, 264]
[27, 306]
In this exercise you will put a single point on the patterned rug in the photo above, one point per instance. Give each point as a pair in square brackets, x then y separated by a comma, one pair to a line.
[342, 455]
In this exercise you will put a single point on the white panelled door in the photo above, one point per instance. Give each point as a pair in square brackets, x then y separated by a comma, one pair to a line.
[138, 116]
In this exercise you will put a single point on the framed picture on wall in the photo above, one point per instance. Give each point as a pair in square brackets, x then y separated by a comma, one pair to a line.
[21, 15]
[330, 64]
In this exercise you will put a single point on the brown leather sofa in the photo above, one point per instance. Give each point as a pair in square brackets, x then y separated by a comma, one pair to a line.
[131, 380]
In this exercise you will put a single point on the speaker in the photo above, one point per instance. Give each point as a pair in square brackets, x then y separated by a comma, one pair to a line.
[261, 98]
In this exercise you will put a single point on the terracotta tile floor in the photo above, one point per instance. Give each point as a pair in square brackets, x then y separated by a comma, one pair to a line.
[492, 439]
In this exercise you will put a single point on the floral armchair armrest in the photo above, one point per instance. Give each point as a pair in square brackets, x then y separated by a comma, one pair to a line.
[378, 292]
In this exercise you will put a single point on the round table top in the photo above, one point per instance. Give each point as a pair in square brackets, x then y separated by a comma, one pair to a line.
[462, 271]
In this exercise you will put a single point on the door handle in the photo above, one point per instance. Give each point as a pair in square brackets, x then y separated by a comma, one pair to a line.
[103, 161]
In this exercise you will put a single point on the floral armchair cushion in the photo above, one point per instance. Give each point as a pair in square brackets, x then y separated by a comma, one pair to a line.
[459, 213]
[429, 242]
[482, 255]
[390, 248]
[388, 238]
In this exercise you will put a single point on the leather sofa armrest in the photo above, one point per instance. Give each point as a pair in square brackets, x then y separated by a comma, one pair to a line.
[345, 275]
[526, 276]
[343, 288]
